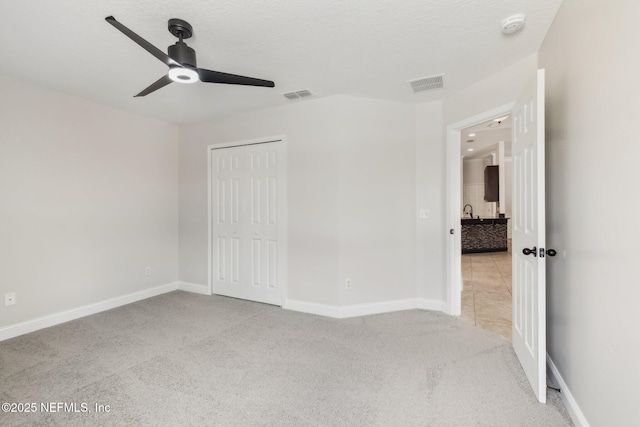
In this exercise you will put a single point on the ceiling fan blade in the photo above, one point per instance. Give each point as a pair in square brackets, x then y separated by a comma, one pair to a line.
[209, 76]
[160, 83]
[143, 43]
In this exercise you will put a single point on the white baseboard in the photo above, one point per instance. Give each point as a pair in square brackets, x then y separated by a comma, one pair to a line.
[432, 305]
[194, 287]
[312, 308]
[343, 312]
[572, 406]
[337, 312]
[377, 308]
[42, 322]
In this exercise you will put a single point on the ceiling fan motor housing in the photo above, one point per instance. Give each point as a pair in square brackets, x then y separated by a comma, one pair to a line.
[183, 54]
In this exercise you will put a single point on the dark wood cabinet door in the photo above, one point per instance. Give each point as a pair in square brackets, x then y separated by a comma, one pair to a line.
[491, 184]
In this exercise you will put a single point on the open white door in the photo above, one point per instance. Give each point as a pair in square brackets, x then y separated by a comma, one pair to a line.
[529, 309]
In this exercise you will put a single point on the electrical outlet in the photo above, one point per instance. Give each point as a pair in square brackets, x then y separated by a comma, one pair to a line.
[348, 283]
[147, 271]
[10, 298]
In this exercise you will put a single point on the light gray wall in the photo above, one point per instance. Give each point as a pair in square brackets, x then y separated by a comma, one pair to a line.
[377, 199]
[592, 66]
[431, 187]
[473, 188]
[495, 91]
[312, 168]
[88, 199]
[352, 196]
[473, 170]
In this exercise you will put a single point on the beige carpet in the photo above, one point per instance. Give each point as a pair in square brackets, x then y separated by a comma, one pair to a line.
[185, 359]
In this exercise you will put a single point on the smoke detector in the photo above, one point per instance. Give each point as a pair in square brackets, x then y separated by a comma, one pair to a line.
[513, 24]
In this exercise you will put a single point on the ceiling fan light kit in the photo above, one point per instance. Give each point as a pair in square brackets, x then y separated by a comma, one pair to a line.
[181, 60]
[183, 75]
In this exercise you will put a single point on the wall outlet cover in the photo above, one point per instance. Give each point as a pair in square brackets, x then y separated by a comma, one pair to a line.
[10, 299]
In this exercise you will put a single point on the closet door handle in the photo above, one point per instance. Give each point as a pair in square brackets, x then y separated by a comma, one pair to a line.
[528, 251]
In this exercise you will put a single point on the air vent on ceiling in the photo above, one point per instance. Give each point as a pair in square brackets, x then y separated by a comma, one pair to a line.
[427, 83]
[298, 94]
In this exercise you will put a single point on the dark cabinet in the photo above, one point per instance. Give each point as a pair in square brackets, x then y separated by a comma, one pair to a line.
[491, 184]
[484, 235]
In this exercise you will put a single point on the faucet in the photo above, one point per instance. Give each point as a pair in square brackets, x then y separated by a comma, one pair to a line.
[464, 210]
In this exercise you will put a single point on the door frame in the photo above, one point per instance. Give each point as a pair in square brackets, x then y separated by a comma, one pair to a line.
[282, 229]
[454, 242]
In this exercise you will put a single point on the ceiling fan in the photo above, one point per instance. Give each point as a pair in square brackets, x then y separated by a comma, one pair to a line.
[181, 60]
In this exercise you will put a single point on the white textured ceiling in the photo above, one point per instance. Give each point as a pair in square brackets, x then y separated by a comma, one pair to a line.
[366, 48]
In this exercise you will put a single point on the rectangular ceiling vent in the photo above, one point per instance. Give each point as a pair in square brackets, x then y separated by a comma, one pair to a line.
[298, 94]
[427, 83]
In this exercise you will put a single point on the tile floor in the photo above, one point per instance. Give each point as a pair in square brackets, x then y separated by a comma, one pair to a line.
[486, 295]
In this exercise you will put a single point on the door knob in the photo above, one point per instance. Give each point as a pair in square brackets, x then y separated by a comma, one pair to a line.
[528, 251]
[551, 252]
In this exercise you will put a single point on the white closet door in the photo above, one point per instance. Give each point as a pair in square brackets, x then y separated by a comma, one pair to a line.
[229, 170]
[248, 257]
